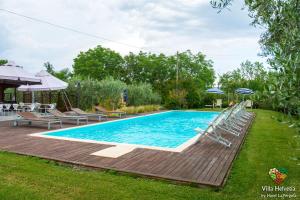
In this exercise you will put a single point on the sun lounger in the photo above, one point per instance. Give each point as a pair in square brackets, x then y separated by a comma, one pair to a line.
[30, 118]
[102, 110]
[236, 119]
[228, 124]
[231, 120]
[96, 116]
[214, 135]
[64, 117]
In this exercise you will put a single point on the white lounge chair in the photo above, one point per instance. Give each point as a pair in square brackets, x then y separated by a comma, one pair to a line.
[16, 108]
[1, 109]
[214, 135]
[231, 120]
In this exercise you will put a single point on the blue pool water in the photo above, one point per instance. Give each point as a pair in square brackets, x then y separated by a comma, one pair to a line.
[167, 129]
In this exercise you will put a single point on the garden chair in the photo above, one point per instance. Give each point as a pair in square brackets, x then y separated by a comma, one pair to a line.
[16, 108]
[6, 108]
[249, 104]
[218, 103]
[1, 109]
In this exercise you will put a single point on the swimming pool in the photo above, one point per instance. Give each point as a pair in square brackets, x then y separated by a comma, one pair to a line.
[168, 130]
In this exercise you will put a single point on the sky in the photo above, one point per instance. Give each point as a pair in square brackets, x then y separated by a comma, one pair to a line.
[158, 26]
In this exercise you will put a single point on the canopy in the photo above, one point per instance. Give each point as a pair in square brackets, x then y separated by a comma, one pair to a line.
[12, 74]
[49, 83]
[244, 91]
[215, 91]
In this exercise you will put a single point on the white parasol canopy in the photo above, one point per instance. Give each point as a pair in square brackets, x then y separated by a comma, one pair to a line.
[11, 73]
[49, 83]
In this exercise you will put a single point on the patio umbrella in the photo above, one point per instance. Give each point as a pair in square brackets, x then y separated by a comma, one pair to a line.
[12, 76]
[215, 91]
[10, 73]
[48, 83]
[244, 91]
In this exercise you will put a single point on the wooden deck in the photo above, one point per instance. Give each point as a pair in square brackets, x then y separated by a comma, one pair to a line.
[204, 163]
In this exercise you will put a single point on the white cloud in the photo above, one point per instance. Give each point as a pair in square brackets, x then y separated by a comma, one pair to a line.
[158, 26]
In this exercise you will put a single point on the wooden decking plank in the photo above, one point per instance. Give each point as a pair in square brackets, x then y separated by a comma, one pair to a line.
[223, 174]
[201, 163]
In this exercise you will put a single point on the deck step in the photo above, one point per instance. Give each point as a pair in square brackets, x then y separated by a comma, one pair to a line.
[115, 151]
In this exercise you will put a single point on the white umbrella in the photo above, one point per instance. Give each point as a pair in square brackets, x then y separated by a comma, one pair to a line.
[48, 83]
[10, 73]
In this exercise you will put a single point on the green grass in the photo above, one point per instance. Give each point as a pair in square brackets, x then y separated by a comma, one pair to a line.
[269, 144]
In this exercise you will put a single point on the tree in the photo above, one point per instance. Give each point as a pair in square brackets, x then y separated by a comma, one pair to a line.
[49, 68]
[63, 74]
[248, 75]
[99, 63]
[280, 43]
[2, 62]
[195, 72]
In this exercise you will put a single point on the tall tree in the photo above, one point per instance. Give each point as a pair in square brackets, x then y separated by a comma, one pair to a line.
[250, 75]
[99, 63]
[280, 43]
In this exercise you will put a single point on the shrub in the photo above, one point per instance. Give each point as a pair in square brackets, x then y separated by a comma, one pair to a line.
[107, 92]
[89, 92]
[110, 92]
[193, 99]
[177, 99]
[142, 94]
[141, 109]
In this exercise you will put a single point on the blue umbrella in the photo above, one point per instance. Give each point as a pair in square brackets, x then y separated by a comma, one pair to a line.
[244, 91]
[215, 91]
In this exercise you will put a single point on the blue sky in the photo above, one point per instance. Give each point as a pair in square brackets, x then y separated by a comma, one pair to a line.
[163, 26]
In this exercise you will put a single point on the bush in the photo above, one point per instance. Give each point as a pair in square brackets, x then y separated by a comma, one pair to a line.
[142, 94]
[88, 92]
[193, 99]
[110, 92]
[107, 92]
[141, 109]
[177, 99]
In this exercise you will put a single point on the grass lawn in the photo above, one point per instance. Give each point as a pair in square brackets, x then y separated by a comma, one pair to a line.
[269, 144]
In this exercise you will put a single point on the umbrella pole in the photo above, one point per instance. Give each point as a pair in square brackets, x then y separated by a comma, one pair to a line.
[32, 96]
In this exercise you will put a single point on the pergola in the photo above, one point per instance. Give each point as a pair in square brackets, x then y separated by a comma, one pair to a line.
[12, 76]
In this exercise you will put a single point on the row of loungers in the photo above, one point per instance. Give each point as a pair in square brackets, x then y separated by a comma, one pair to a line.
[57, 117]
[231, 120]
